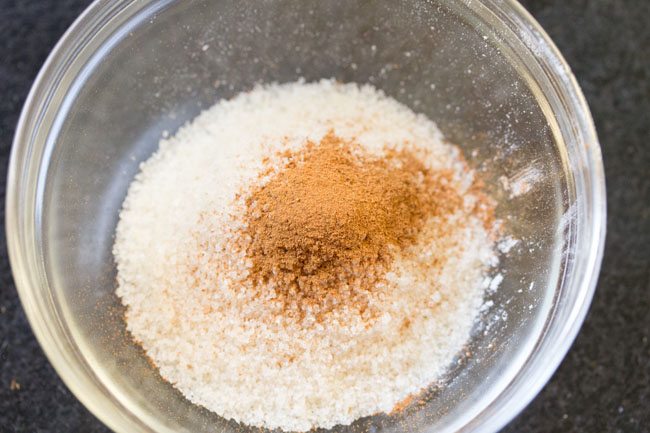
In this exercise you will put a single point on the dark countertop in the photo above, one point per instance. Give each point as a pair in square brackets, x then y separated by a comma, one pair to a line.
[603, 385]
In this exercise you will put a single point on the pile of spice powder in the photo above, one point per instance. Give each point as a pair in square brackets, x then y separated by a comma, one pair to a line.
[321, 230]
[315, 242]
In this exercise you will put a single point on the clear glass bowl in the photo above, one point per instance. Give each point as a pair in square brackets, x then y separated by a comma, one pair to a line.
[127, 71]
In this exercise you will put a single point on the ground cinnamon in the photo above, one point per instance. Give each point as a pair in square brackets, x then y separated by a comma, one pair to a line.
[324, 226]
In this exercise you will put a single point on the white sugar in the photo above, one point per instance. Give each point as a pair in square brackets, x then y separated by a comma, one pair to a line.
[222, 348]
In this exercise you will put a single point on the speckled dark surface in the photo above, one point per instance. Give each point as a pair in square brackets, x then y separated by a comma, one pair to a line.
[603, 385]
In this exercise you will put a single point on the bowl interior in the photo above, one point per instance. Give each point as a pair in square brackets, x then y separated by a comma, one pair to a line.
[149, 69]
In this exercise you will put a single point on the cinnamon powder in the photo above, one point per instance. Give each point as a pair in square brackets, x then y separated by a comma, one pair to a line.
[325, 226]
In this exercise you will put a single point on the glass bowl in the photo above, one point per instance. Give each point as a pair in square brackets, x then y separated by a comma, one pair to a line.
[128, 72]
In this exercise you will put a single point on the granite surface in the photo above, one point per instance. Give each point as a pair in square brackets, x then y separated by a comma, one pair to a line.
[603, 385]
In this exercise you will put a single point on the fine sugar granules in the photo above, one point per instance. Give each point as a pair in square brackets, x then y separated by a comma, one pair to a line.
[319, 243]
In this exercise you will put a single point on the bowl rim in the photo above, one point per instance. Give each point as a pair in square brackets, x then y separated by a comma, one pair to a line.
[90, 390]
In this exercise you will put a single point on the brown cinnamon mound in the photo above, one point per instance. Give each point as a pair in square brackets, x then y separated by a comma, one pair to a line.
[323, 226]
